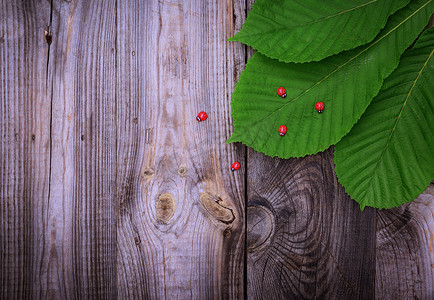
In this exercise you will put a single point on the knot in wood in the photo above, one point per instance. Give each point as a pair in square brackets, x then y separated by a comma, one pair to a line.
[48, 36]
[212, 206]
[182, 170]
[260, 226]
[148, 173]
[165, 207]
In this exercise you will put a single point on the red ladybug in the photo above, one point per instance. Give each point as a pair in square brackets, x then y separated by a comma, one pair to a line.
[201, 116]
[235, 166]
[281, 92]
[282, 130]
[319, 107]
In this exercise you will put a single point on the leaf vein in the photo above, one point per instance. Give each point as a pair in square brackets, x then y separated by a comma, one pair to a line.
[342, 65]
[398, 118]
[283, 26]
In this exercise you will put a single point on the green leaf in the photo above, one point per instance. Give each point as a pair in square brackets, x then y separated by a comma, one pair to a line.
[346, 83]
[310, 30]
[387, 159]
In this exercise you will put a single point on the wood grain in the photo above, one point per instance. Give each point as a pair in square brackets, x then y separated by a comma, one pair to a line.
[404, 252]
[25, 145]
[306, 237]
[181, 210]
[110, 188]
[405, 260]
[80, 252]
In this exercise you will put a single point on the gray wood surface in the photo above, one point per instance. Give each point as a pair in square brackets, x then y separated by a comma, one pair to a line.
[25, 146]
[306, 238]
[404, 251]
[82, 207]
[405, 260]
[110, 188]
[181, 210]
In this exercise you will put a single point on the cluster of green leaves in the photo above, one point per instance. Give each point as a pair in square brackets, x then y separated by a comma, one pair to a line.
[378, 93]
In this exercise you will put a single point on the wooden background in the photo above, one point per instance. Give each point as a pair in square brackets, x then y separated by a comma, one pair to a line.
[111, 189]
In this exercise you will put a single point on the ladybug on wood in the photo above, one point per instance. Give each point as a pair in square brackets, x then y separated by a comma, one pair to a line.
[282, 130]
[319, 107]
[281, 92]
[235, 166]
[201, 116]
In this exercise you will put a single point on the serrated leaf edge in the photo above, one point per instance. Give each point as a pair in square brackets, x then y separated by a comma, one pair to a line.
[231, 140]
[234, 38]
[362, 201]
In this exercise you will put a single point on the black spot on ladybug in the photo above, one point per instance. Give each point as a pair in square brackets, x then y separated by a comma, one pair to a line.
[282, 130]
[235, 166]
[201, 116]
[319, 107]
[281, 92]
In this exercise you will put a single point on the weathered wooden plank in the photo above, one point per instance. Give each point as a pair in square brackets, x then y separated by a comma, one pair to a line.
[25, 145]
[306, 237]
[100, 149]
[80, 247]
[405, 260]
[181, 215]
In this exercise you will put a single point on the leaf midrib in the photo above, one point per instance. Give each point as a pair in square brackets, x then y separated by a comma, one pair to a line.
[397, 120]
[283, 26]
[344, 64]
